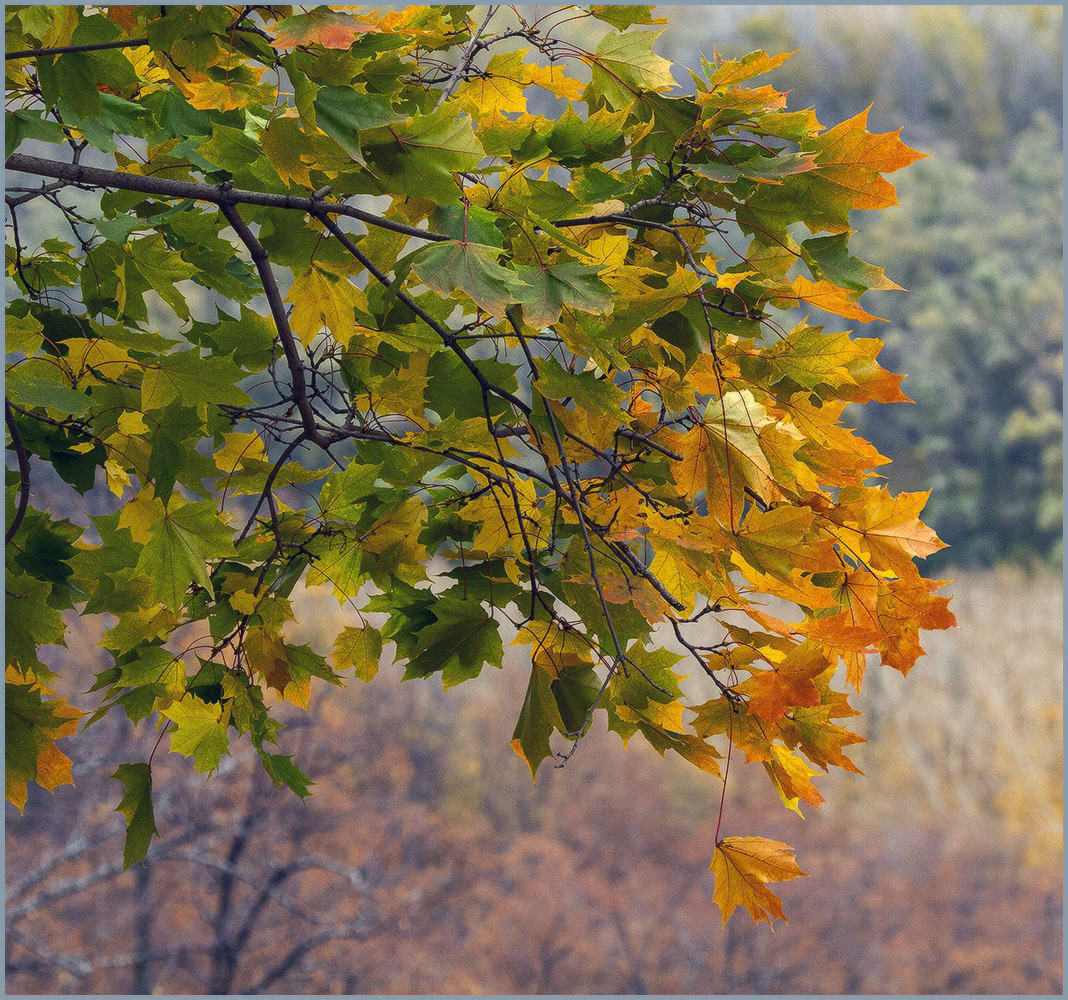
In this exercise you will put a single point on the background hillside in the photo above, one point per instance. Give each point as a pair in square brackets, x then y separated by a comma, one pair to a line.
[978, 242]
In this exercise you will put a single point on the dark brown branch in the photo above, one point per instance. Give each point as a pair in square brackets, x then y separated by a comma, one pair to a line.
[728, 692]
[281, 321]
[76, 173]
[646, 440]
[58, 50]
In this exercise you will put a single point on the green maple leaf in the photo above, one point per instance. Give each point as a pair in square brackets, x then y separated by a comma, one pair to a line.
[161, 267]
[186, 376]
[30, 621]
[20, 125]
[282, 771]
[136, 807]
[179, 546]
[624, 65]
[763, 167]
[597, 395]
[418, 157]
[342, 113]
[574, 140]
[346, 492]
[38, 382]
[624, 15]
[144, 665]
[828, 258]
[569, 285]
[537, 719]
[458, 643]
[200, 731]
[28, 720]
[471, 268]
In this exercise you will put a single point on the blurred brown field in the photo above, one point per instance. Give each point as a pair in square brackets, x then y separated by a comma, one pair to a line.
[428, 862]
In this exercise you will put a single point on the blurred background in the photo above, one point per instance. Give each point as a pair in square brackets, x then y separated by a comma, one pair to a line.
[427, 862]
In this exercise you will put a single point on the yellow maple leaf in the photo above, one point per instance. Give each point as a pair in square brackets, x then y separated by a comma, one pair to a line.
[743, 867]
[321, 298]
[239, 448]
[823, 295]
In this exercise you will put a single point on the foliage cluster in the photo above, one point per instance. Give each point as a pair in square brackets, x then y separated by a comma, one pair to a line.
[548, 392]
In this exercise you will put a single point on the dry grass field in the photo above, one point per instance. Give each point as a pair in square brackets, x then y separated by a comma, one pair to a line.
[428, 862]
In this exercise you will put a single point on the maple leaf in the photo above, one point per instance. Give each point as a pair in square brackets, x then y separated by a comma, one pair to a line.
[624, 65]
[343, 112]
[418, 157]
[829, 258]
[819, 739]
[321, 298]
[739, 70]
[743, 867]
[360, 648]
[622, 16]
[850, 162]
[34, 719]
[458, 643]
[885, 528]
[765, 168]
[331, 29]
[199, 732]
[266, 653]
[823, 295]
[779, 542]
[574, 140]
[561, 286]
[537, 719]
[180, 541]
[471, 268]
[553, 648]
[136, 806]
[789, 682]
[723, 454]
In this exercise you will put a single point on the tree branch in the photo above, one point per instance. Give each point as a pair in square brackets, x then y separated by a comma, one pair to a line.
[76, 173]
[58, 50]
[447, 336]
[465, 60]
[281, 321]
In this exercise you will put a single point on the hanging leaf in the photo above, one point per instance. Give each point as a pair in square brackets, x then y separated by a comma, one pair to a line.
[743, 867]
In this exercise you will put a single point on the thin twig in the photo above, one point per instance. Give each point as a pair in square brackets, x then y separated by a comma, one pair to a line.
[465, 60]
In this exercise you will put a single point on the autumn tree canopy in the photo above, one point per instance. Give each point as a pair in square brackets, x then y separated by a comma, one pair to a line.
[570, 376]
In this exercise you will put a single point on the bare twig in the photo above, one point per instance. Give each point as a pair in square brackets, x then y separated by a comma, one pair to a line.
[74, 173]
[465, 60]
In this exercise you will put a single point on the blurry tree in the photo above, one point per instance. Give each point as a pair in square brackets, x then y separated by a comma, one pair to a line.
[982, 254]
[233, 901]
[968, 77]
